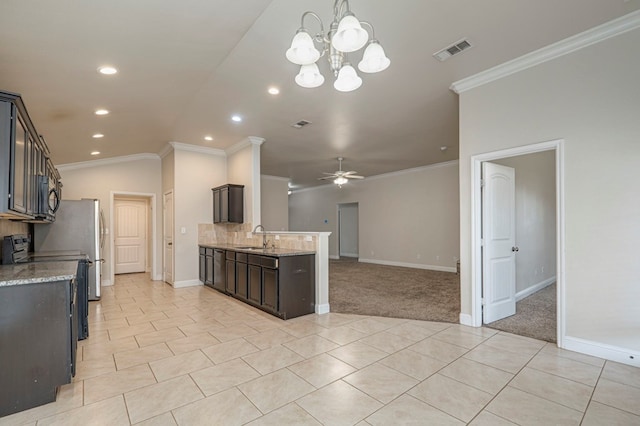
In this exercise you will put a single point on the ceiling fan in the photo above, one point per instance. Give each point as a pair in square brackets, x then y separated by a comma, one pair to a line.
[340, 177]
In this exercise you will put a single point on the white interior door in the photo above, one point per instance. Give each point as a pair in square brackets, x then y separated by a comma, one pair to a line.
[168, 237]
[130, 240]
[499, 248]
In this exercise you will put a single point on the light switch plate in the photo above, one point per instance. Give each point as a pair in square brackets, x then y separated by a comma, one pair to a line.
[277, 237]
[183, 230]
[249, 235]
[308, 238]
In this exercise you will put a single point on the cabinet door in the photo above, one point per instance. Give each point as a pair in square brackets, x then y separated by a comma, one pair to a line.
[224, 204]
[18, 177]
[255, 284]
[219, 269]
[216, 206]
[241, 280]
[270, 289]
[231, 277]
[208, 279]
[202, 267]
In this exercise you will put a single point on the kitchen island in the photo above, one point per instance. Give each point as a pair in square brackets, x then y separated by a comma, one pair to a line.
[38, 332]
[277, 280]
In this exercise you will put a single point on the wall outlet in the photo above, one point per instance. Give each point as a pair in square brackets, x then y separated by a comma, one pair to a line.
[183, 230]
[249, 235]
[308, 238]
[277, 237]
[543, 269]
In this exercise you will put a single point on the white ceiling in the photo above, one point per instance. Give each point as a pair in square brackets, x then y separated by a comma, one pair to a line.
[187, 66]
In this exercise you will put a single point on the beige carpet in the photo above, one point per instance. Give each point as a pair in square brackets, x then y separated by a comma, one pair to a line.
[392, 291]
[535, 316]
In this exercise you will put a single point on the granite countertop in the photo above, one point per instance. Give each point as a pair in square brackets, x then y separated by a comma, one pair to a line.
[275, 252]
[31, 273]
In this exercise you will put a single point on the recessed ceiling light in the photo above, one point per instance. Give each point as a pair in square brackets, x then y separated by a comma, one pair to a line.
[107, 70]
[208, 138]
[236, 118]
[102, 112]
[98, 136]
[273, 90]
[95, 152]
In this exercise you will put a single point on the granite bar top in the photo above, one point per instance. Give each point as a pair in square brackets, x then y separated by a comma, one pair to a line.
[274, 252]
[31, 273]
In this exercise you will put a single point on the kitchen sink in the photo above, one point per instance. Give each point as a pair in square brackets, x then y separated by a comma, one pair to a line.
[250, 248]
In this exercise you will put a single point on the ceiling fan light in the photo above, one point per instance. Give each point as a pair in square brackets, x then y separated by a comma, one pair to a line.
[309, 76]
[374, 59]
[340, 180]
[347, 80]
[302, 50]
[350, 36]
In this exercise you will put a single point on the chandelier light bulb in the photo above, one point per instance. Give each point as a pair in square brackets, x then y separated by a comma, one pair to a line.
[309, 76]
[350, 35]
[374, 59]
[302, 50]
[348, 79]
[340, 180]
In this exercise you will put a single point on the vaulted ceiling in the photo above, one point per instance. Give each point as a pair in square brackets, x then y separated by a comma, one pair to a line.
[185, 67]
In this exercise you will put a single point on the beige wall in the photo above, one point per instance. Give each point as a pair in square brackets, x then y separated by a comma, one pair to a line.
[195, 173]
[591, 99]
[99, 180]
[168, 172]
[274, 202]
[535, 219]
[407, 218]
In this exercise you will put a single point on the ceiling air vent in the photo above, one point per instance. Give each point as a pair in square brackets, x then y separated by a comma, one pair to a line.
[300, 124]
[454, 49]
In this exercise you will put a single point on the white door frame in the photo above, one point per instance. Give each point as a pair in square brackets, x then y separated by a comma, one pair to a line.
[164, 252]
[152, 213]
[476, 226]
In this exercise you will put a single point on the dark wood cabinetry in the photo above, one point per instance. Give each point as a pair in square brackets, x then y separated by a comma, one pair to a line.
[38, 340]
[212, 268]
[281, 285]
[228, 204]
[24, 163]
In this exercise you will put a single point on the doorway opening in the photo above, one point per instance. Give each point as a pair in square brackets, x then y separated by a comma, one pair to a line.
[133, 237]
[348, 231]
[537, 257]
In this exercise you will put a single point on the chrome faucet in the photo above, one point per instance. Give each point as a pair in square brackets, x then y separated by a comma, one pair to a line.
[264, 235]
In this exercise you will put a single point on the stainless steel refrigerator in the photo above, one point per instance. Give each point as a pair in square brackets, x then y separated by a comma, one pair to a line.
[78, 228]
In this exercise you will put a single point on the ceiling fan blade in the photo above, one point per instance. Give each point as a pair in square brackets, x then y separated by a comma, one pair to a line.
[352, 172]
[354, 177]
[326, 177]
[330, 174]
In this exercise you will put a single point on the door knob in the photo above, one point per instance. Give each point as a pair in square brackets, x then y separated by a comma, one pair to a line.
[516, 248]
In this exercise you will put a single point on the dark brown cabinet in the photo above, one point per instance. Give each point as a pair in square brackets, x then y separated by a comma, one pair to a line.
[219, 270]
[228, 204]
[24, 160]
[255, 283]
[230, 279]
[242, 279]
[270, 289]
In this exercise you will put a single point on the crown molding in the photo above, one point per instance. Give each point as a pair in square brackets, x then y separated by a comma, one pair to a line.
[166, 150]
[569, 45]
[251, 140]
[107, 161]
[178, 146]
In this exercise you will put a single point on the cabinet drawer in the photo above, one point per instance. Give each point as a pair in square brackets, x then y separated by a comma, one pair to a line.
[202, 250]
[241, 257]
[255, 260]
[209, 251]
[231, 255]
[269, 262]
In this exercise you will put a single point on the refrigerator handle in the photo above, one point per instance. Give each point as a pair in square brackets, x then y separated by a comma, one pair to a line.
[102, 235]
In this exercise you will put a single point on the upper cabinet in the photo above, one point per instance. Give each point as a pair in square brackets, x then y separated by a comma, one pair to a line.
[228, 206]
[29, 183]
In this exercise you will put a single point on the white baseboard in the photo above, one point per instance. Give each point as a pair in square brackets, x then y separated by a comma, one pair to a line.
[322, 309]
[106, 283]
[534, 288]
[410, 265]
[186, 283]
[334, 257]
[349, 254]
[602, 350]
[466, 319]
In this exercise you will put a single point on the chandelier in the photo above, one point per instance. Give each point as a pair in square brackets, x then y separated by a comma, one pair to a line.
[345, 35]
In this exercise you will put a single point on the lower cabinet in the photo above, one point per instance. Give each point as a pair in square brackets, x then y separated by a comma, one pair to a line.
[280, 285]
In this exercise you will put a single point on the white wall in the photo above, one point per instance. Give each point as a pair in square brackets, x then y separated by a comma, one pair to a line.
[195, 173]
[535, 218]
[591, 99]
[406, 218]
[97, 179]
[274, 202]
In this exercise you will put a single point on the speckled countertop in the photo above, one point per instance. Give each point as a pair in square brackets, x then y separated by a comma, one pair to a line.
[275, 252]
[30, 273]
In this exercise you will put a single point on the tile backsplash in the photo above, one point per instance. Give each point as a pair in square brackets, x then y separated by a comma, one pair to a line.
[9, 227]
[236, 234]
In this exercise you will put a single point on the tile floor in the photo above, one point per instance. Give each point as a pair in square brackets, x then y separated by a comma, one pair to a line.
[164, 356]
